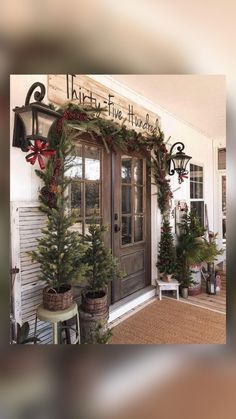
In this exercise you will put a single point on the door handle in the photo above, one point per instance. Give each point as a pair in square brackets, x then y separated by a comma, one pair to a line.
[116, 228]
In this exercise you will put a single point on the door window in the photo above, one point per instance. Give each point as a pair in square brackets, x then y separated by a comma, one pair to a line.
[132, 200]
[85, 186]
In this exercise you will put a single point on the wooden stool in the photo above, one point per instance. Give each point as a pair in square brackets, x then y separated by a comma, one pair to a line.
[61, 316]
[166, 286]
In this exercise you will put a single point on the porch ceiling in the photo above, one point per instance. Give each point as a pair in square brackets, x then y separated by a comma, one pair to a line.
[199, 100]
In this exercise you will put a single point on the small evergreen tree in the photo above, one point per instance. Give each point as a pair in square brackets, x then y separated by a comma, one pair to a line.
[60, 250]
[190, 250]
[166, 256]
[102, 266]
[191, 225]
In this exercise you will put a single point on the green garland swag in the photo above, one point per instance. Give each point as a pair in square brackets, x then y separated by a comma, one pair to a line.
[87, 119]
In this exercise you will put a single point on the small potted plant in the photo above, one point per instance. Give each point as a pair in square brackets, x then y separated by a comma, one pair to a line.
[184, 276]
[192, 250]
[60, 250]
[166, 257]
[59, 253]
[101, 269]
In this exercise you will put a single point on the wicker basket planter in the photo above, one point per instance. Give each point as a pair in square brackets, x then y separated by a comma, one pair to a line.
[166, 277]
[55, 299]
[95, 302]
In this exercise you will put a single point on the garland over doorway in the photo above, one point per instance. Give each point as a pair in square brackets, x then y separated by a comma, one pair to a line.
[87, 119]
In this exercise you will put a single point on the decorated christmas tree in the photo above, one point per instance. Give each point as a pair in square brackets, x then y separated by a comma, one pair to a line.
[166, 256]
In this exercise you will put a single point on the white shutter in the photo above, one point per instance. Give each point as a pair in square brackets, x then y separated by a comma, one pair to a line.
[26, 224]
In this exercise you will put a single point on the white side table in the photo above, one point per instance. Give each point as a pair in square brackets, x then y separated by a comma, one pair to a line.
[167, 286]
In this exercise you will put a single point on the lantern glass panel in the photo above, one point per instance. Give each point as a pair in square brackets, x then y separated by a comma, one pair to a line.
[186, 160]
[179, 162]
[45, 122]
[27, 119]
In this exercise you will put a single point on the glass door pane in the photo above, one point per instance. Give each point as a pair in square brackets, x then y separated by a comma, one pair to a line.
[92, 205]
[126, 199]
[85, 188]
[132, 199]
[126, 230]
[126, 163]
[138, 171]
[91, 163]
[138, 228]
[138, 199]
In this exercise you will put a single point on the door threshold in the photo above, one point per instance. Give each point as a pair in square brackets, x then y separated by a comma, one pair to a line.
[131, 302]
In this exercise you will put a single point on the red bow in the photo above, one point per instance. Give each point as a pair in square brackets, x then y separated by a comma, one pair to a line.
[183, 175]
[39, 151]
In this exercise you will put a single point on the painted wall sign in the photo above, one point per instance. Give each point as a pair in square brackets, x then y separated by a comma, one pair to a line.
[82, 89]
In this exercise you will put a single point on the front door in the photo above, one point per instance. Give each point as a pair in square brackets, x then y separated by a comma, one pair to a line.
[131, 219]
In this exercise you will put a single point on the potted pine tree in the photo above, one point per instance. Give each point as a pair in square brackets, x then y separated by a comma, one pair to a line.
[60, 250]
[101, 269]
[166, 257]
[192, 250]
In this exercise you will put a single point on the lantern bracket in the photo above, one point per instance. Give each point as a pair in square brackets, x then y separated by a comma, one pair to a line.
[25, 135]
[38, 96]
[180, 148]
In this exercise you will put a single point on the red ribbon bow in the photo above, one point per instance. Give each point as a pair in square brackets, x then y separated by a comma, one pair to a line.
[183, 175]
[39, 151]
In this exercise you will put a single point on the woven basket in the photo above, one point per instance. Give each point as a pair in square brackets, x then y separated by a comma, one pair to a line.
[57, 299]
[94, 302]
[166, 278]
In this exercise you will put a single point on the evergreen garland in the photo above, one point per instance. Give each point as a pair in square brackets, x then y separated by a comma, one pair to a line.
[60, 251]
[87, 119]
[160, 171]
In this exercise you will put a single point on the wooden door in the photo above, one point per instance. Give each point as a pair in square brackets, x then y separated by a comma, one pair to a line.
[131, 218]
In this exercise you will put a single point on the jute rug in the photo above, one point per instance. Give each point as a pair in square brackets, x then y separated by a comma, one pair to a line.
[171, 322]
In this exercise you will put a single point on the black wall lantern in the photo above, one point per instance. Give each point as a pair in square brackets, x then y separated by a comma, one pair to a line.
[34, 120]
[178, 161]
